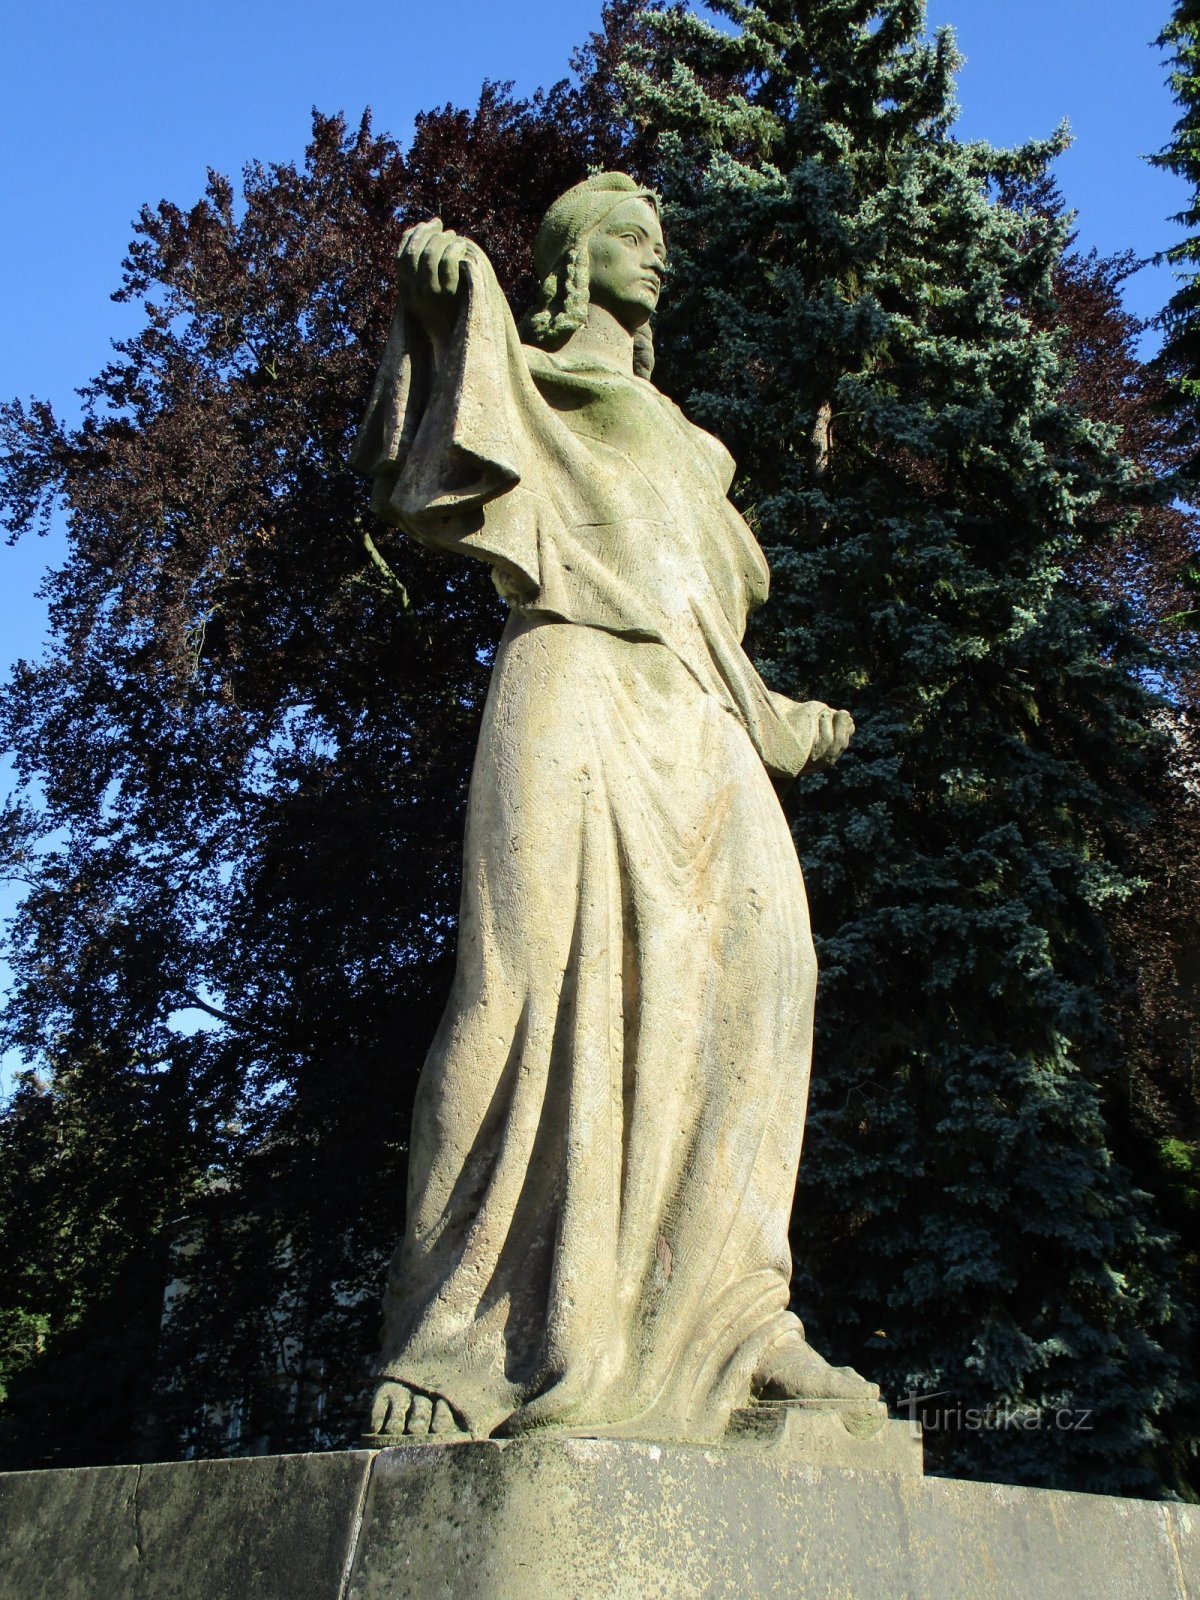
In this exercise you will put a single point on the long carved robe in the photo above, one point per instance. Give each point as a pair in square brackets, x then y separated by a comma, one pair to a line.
[608, 1124]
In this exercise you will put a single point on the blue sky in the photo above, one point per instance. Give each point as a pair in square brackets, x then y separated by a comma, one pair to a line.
[111, 106]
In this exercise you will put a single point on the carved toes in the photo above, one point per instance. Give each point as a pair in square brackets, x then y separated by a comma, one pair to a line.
[443, 1419]
[396, 1409]
[420, 1414]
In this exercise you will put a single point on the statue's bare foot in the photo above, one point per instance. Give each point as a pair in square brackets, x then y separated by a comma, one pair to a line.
[793, 1370]
[398, 1410]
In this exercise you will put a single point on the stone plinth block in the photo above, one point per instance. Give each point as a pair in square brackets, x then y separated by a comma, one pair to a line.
[578, 1518]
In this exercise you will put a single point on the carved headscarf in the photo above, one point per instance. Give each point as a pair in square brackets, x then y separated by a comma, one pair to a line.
[560, 259]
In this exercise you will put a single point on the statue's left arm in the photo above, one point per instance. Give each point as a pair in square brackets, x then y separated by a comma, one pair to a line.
[822, 733]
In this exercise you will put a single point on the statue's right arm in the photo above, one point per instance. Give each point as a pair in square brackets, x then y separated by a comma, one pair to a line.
[429, 274]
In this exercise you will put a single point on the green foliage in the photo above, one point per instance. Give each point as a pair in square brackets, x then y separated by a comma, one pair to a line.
[22, 1341]
[864, 309]
[92, 1167]
[245, 759]
[1179, 359]
[245, 767]
[1181, 1161]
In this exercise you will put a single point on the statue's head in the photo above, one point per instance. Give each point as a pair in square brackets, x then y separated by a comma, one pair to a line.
[601, 241]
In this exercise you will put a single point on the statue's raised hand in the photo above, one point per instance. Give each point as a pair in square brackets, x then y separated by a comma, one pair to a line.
[429, 273]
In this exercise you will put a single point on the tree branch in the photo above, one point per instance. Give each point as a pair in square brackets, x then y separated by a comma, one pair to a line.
[385, 571]
[196, 1003]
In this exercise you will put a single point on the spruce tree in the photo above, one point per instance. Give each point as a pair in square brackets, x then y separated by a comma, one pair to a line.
[254, 731]
[1179, 359]
[870, 329]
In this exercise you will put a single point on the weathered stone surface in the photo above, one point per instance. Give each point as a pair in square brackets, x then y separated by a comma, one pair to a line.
[582, 1518]
[267, 1528]
[607, 1130]
[573, 1519]
[72, 1535]
[821, 1436]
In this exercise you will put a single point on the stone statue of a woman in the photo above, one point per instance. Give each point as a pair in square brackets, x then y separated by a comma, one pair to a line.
[608, 1125]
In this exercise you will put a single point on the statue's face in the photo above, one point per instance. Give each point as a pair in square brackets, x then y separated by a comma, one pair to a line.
[626, 261]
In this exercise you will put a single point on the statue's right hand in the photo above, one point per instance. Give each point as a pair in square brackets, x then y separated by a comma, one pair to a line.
[822, 732]
[428, 272]
[833, 732]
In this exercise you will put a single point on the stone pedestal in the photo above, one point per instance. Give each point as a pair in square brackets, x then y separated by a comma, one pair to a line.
[580, 1519]
[824, 1433]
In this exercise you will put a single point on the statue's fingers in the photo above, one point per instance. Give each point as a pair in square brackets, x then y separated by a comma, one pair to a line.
[822, 738]
[453, 257]
[408, 258]
[427, 279]
[412, 240]
[843, 732]
[413, 243]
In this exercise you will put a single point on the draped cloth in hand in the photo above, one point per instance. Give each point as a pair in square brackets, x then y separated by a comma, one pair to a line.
[608, 1125]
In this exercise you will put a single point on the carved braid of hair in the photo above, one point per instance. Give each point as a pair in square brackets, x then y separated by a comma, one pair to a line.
[548, 326]
[643, 351]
